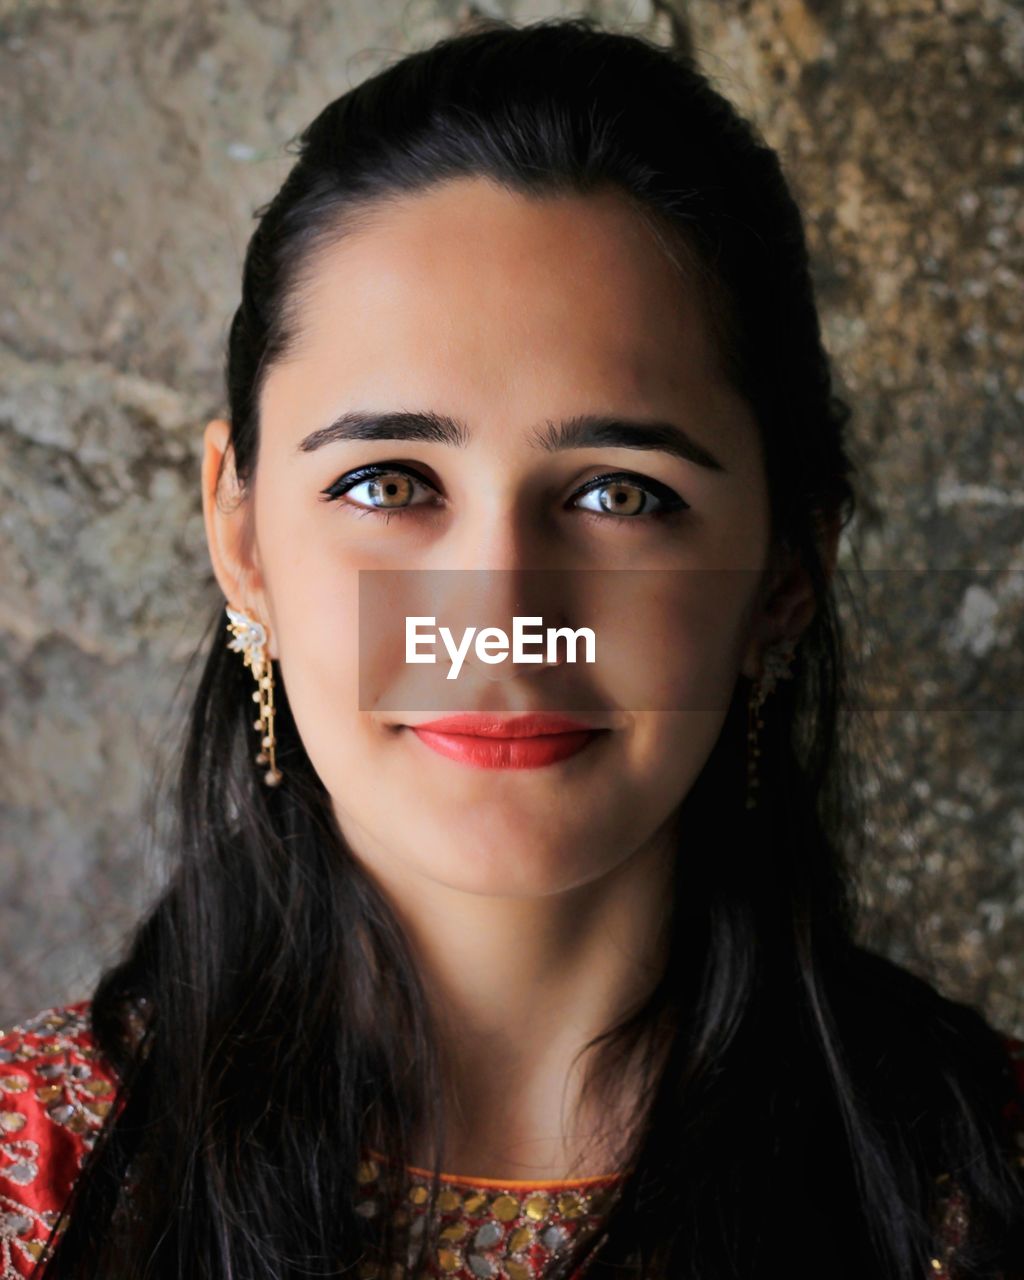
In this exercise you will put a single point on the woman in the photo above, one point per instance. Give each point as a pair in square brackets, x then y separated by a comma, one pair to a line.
[424, 1002]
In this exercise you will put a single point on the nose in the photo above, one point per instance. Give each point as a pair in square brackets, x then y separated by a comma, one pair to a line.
[498, 572]
[494, 598]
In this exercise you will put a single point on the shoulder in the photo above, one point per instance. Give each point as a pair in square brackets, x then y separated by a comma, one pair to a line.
[926, 1051]
[56, 1090]
[954, 1221]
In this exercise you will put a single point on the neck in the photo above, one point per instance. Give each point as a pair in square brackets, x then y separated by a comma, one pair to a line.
[517, 987]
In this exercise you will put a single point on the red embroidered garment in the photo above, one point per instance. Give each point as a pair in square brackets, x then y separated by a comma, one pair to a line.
[56, 1090]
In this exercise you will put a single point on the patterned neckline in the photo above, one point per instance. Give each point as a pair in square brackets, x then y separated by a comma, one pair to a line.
[486, 1228]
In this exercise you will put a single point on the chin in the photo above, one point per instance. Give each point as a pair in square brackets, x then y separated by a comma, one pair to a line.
[515, 870]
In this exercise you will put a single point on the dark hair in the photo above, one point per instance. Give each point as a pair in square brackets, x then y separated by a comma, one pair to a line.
[803, 1095]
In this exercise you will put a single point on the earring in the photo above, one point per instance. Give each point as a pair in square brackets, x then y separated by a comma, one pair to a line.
[776, 667]
[250, 639]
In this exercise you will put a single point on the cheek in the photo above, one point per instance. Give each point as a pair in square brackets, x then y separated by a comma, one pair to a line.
[671, 641]
[315, 605]
[667, 752]
[674, 667]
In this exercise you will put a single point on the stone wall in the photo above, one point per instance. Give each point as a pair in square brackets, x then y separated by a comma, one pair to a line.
[136, 143]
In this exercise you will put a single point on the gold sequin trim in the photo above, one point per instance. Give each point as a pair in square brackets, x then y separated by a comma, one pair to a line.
[486, 1233]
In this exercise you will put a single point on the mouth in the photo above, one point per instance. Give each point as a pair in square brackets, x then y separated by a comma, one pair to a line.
[487, 741]
[480, 724]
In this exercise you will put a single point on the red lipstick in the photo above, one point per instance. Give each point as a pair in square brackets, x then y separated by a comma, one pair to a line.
[486, 740]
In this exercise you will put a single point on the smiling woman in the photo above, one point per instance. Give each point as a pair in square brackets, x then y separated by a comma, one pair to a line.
[566, 981]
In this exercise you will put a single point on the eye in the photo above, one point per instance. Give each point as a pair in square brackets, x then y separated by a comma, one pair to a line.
[389, 489]
[630, 497]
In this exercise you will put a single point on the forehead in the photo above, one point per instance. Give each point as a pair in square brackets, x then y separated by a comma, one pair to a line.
[469, 278]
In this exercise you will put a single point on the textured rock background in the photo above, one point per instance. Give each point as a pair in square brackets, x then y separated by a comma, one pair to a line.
[136, 143]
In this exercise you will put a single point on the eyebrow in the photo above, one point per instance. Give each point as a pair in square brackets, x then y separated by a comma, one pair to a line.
[593, 430]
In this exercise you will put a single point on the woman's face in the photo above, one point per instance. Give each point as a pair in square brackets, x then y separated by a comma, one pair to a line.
[502, 314]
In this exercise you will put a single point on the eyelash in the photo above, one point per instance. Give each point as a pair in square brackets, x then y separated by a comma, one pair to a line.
[663, 493]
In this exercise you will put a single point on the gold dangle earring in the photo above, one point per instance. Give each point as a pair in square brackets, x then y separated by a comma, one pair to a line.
[250, 639]
[776, 667]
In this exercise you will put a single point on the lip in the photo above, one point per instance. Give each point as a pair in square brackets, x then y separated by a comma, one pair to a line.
[528, 751]
[491, 725]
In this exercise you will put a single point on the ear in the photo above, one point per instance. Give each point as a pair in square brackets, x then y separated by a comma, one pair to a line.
[228, 518]
[787, 604]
